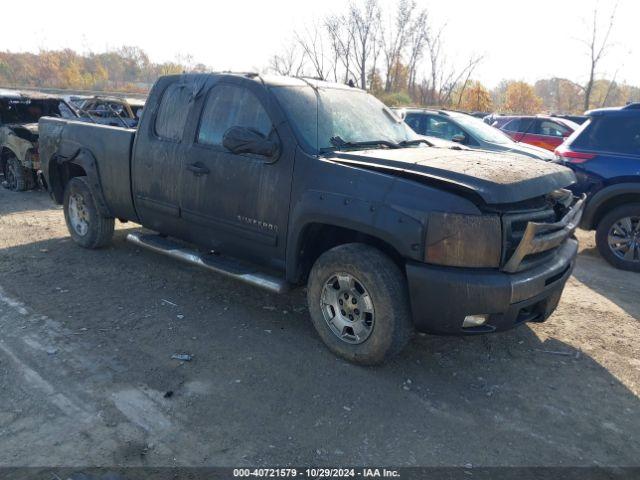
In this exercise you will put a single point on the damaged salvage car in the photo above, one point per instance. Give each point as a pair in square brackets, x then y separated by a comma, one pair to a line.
[19, 115]
[114, 111]
[293, 182]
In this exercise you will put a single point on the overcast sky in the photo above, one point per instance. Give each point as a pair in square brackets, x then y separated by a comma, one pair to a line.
[523, 40]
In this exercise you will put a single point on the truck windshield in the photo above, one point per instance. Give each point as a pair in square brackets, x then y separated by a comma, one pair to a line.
[328, 118]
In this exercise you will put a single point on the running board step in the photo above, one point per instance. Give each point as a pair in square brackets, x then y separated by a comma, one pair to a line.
[226, 266]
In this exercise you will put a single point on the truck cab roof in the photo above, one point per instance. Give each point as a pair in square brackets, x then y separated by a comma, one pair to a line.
[267, 79]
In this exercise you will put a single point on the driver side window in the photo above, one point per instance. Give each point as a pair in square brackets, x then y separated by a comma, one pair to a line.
[231, 106]
[442, 128]
[416, 122]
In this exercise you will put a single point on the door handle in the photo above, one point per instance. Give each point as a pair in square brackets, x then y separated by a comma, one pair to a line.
[198, 168]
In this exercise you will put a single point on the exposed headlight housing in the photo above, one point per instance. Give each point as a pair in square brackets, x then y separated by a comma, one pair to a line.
[456, 240]
[32, 158]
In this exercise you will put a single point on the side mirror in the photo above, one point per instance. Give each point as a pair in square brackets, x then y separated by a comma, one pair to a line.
[459, 138]
[247, 140]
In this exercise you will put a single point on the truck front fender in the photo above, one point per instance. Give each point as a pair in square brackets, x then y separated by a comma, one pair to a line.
[390, 227]
[19, 147]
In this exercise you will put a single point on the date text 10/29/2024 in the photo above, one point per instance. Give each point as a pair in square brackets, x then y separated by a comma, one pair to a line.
[315, 473]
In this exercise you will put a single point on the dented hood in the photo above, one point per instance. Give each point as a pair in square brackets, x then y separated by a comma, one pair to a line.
[26, 131]
[496, 178]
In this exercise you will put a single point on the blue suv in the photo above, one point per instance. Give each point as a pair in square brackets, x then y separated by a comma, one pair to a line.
[605, 156]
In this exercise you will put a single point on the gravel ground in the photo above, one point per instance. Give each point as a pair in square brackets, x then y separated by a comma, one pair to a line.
[87, 378]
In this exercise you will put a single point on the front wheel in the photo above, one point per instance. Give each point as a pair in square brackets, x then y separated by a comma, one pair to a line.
[359, 303]
[17, 177]
[87, 226]
[618, 237]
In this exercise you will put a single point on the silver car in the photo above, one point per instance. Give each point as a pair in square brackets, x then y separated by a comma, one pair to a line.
[468, 131]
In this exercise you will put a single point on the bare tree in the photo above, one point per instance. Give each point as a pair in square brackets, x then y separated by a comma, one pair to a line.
[340, 31]
[445, 76]
[454, 77]
[349, 45]
[597, 45]
[313, 45]
[394, 41]
[289, 63]
[365, 28]
[612, 86]
[419, 32]
[434, 48]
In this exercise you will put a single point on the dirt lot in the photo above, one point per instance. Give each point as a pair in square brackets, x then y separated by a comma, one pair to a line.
[86, 339]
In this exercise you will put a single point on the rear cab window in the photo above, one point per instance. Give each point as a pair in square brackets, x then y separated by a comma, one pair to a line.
[173, 111]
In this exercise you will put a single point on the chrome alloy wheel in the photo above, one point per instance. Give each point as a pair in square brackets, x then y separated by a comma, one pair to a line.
[624, 239]
[78, 214]
[347, 308]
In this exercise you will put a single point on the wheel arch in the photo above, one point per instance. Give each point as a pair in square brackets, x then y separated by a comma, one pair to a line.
[81, 163]
[317, 237]
[606, 200]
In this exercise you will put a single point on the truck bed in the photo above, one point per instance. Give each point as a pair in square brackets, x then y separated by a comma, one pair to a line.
[110, 146]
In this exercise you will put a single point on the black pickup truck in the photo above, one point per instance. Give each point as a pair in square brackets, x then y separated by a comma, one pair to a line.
[281, 182]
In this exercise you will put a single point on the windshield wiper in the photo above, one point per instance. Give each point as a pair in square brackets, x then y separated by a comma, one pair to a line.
[338, 142]
[406, 143]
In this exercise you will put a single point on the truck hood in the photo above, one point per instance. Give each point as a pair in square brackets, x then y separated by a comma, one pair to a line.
[26, 131]
[496, 178]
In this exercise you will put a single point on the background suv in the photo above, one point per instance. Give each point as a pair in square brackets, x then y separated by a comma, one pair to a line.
[605, 156]
[543, 132]
[467, 130]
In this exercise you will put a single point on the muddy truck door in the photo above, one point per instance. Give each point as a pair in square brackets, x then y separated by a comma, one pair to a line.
[237, 173]
[159, 153]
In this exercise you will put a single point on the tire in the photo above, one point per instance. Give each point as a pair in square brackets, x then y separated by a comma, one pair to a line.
[382, 326]
[87, 226]
[624, 223]
[17, 177]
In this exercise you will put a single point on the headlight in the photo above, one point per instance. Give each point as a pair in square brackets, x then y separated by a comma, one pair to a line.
[463, 240]
[32, 158]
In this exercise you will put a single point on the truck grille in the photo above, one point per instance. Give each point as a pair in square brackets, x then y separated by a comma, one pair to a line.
[530, 238]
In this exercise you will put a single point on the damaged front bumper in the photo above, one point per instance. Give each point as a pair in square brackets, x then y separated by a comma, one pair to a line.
[527, 288]
[442, 297]
[541, 237]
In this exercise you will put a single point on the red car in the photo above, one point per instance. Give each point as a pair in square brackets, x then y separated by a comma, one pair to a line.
[541, 131]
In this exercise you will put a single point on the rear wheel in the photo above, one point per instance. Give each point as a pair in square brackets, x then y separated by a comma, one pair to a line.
[618, 237]
[87, 226]
[359, 303]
